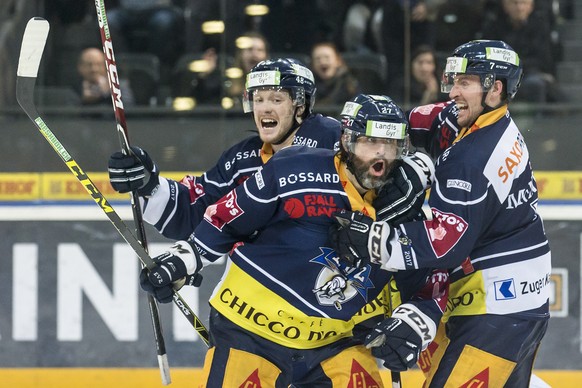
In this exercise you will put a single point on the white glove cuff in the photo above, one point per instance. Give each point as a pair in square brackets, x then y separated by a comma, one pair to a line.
[184, 251]
[423, 167]
[392, 259]
[379, 234]
[420, 322]
[156, 204]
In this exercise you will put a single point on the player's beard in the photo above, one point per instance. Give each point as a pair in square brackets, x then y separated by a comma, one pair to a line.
[362, 172]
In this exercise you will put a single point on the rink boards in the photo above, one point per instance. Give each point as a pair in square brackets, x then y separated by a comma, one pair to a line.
[73, 315]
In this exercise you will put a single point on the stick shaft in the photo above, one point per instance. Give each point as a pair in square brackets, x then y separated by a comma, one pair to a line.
[115, 89]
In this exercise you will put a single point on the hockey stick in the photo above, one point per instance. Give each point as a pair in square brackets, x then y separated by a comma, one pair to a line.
[123, 133]
[387, 296]
[33, 43]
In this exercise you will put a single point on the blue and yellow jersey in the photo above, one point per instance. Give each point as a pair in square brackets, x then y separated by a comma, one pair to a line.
[283, 281]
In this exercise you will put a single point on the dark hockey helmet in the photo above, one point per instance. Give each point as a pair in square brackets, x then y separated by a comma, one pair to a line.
[284, 73]
[489, 59]
[374, 116]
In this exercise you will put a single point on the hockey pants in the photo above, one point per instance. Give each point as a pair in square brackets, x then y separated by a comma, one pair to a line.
[238, 358]
[492, 351]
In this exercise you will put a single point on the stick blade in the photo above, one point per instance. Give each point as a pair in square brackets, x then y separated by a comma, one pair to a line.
[164, 369]
[33, 42]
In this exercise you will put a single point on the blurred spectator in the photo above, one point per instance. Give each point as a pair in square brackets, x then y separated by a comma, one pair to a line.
[424, 79]
[528, 32]
[251, 48]
[335, 84]
[422, 15]
[207, 84]
[363, 24]
[199, 78]
[94, 85]
[457, 21]
[152, 26]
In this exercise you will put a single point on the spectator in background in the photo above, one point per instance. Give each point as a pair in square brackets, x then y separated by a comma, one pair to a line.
[528, 32]
[251, 48]
[93, 87]
[335, 83]
[200, 79]
[207, 84]
[363, 21]
[424, 78]
[422, 21]
[152, 26]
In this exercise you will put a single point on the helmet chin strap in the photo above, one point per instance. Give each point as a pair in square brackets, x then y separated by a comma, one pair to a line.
[487, 108]
[287, 134]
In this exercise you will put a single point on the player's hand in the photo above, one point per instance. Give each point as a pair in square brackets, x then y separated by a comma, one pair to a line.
[349, 237]
[401, 198]
[136, 171]
[175, 268]
[399, 339]
[357, 239]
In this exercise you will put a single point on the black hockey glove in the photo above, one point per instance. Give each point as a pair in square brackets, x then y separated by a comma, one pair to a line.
[175, 268]
[401, 198]
[133, 172]
[398, 340]
[357, 239]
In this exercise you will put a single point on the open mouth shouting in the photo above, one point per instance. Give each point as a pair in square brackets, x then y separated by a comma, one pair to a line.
[378, 168]
[268, 123]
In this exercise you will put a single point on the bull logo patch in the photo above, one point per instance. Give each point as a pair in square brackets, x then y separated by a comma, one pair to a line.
[336, 283]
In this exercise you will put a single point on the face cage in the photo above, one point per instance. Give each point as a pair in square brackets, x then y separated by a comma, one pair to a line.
[351, 136]
[297, 95]
[448, 81]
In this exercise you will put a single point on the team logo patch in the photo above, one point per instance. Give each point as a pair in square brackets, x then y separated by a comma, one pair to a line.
[504, 289]
[294, 208]
[444, 231]
[224, 211]
[337, 284]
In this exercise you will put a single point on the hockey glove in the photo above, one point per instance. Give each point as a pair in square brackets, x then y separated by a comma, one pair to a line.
[398, 340]
[175, 268]
[357, 239]
[401, 199]
[136, 171]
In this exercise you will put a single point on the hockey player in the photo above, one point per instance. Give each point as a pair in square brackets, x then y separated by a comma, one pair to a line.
[285, 303]
[484, 227]
[176, 208]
